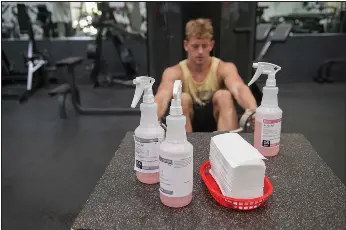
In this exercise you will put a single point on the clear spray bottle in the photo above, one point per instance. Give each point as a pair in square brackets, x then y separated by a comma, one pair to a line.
[268, 115]
[176, 157]
[149, 134]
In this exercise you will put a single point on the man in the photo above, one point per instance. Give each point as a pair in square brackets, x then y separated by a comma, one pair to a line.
[209, 84]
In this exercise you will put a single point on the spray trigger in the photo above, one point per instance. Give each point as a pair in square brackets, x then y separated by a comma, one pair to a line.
[265, 68]
[143, 84]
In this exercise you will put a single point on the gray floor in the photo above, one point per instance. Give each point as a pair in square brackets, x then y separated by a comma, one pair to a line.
[49, 166]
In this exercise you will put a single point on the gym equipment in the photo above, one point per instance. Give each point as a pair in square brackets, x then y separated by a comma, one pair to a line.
[324, 70]
[34, 61]
[263, 31]
[338, 24]
[259, 14]
[7, 69]
[71, 88]
[304, 22]
[278, 35]
[36, 25]
[108, 27]
[44, 17]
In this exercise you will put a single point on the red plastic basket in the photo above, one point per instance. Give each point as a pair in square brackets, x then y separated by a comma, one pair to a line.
[229, 202]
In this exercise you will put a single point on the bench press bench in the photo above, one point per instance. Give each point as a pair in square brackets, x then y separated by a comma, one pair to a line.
[71, 88]
[64, 89]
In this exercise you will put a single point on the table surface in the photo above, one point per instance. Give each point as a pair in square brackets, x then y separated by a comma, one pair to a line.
[307, 194]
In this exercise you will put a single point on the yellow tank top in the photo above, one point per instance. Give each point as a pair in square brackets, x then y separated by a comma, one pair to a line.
[201, 92]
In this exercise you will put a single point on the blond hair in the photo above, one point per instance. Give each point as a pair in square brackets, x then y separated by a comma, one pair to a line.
[199, 28]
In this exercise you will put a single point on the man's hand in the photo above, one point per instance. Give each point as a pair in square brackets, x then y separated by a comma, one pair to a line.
[250, 115]
[253, 120]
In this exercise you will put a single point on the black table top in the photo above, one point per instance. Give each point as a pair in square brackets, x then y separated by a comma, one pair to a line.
[307, 195]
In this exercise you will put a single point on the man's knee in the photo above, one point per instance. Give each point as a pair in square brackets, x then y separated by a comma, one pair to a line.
[222, 98]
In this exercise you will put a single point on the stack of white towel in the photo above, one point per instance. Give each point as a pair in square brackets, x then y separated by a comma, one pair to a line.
[236, 166]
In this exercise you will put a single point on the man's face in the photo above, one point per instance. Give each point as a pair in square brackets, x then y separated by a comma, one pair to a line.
[198, 50]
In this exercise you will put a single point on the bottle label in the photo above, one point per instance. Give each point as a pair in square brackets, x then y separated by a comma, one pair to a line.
[271, 130]
[176, 176]
[147, 154]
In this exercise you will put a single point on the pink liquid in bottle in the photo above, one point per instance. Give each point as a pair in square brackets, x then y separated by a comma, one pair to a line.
[268, 142]
[148, 178]
[182, 152]
[176, 202]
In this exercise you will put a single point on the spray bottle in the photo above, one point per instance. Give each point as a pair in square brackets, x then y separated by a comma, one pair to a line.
[148, 135]
[176, 157]
[268, 114]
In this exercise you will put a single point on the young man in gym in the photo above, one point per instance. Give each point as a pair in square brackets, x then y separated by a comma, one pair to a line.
[209, 84]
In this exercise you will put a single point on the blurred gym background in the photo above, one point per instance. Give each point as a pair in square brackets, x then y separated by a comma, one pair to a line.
[51, 160]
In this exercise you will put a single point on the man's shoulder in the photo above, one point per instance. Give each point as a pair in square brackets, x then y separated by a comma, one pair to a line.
[174, 70]
[226, 63]
[225, 66]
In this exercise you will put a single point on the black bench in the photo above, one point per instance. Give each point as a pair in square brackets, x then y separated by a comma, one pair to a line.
[64, 89]
[70, 61]
[262, 31]
[71, 88]
[278, 35]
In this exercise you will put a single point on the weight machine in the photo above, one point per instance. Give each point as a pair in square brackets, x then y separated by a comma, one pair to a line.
[271, 35]
[319, 22]
[71, 63]
[44, 18]
[109, 28]
[34, 60]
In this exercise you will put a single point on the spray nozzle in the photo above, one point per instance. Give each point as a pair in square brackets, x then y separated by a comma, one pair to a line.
[143, 84]
[265, 68]
[176, 108]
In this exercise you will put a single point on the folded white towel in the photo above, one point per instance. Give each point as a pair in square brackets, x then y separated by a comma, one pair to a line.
[237, 167]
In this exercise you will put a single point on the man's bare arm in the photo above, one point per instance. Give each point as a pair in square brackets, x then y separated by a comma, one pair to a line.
[165, 91]
[240, 91]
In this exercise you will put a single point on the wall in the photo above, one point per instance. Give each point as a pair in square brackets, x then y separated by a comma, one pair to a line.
[301, 56]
